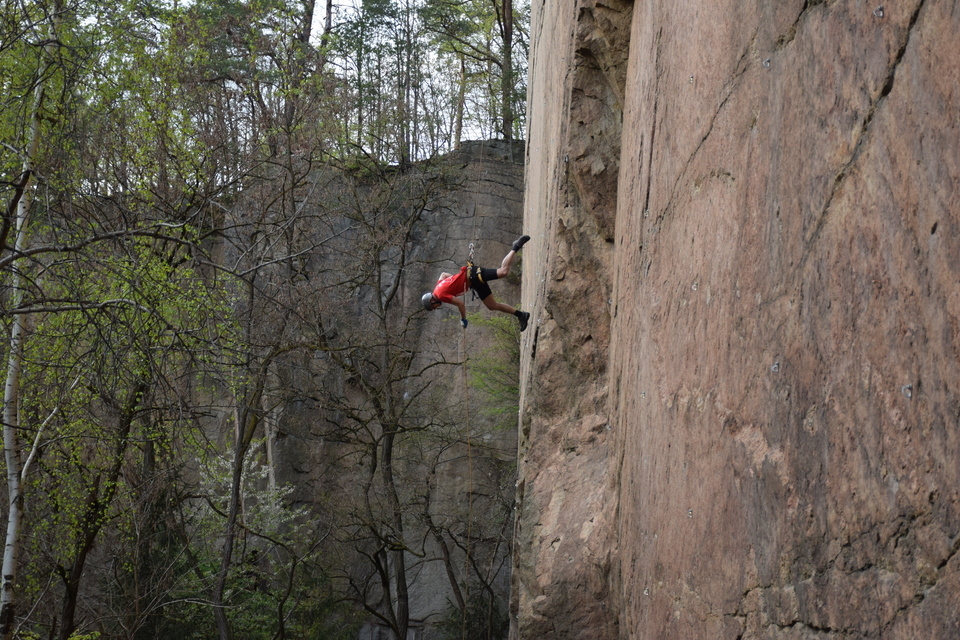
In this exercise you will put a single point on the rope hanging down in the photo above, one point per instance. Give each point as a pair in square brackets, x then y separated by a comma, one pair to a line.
[465, 397]
[466, 413]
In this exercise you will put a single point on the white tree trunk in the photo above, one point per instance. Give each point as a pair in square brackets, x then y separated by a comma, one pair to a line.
[11, 445]
[11, 389]
[270, 427]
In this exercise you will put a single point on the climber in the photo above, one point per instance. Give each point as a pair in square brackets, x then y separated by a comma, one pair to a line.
[451, 287]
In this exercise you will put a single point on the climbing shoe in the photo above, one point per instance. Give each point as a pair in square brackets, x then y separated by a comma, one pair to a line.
[523, 316]
[519, 242]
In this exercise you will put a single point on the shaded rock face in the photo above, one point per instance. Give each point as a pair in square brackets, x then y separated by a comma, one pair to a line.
[758, 436]
[565, 535]
[464, 484]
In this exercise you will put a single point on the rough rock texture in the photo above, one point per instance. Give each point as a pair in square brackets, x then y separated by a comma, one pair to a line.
[566, 525]
[759, 436]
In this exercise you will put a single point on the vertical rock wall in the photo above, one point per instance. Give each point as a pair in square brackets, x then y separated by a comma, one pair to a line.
[467, 483]
[565, 536]
[759, 435]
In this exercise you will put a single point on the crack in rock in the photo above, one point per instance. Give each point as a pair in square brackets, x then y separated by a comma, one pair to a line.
[865, 132]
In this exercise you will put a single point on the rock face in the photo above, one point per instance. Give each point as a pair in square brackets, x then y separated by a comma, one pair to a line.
[740, 413]
[461, 470]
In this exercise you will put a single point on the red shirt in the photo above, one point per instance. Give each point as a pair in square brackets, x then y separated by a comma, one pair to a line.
[448, 288]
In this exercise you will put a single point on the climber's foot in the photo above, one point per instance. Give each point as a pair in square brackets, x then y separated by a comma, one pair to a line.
[523, 317]
[519, 242]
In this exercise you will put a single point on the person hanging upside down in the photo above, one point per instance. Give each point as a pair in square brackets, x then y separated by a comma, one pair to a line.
[451, 287]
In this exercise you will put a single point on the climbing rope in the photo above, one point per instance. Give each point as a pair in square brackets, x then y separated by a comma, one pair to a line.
[466, 421]
[466, 410]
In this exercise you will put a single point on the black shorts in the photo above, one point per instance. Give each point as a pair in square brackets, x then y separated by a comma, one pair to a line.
[478, 278]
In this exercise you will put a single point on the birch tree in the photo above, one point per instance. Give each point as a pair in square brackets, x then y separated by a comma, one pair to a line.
[184, 224]
[17, 222]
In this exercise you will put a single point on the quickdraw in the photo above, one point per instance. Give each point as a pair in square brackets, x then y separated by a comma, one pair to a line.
[473, 272]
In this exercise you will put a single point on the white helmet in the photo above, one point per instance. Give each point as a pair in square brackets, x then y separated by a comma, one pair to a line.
[427, 301]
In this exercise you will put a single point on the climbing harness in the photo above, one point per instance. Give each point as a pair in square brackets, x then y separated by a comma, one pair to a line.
[473, 272]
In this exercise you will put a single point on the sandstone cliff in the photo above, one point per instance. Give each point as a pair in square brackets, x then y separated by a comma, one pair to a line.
[739, 412]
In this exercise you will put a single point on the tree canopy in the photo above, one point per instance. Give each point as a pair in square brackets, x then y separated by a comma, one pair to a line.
[208, 210]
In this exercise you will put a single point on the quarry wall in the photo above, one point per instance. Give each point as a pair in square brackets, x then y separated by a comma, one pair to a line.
[739, 402]
[455, 460]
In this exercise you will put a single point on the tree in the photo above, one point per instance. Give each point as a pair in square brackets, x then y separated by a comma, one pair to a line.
[16, 220]
[195, 219]
[368, 374]
[80, 246]
[443, 63]
[481, 37]
[476, 536]
[386, 406]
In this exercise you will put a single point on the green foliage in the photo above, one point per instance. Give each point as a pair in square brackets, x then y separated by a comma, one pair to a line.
[495, 371]
[468, 35]
[484, 619]
[278, 571]
[95, 378]
[201, 123]
[27, 635]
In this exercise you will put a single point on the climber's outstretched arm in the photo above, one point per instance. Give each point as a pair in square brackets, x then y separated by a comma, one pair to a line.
[458, 303]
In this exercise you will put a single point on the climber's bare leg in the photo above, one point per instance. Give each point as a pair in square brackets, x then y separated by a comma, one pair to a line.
[490, 303]
[505, 266]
